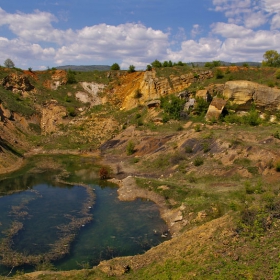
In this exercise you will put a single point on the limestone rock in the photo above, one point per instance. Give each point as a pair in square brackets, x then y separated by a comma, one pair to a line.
[215, 109]
[244, 93]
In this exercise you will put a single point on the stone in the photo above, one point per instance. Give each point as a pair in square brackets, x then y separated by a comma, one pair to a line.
[244, 93]
[215, 109]
[17, 83]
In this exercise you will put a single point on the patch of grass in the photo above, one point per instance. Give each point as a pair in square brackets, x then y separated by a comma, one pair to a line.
[198, 161]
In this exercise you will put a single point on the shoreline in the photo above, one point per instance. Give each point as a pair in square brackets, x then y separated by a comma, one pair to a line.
[129, 191]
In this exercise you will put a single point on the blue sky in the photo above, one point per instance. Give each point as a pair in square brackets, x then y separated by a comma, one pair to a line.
[41, 34]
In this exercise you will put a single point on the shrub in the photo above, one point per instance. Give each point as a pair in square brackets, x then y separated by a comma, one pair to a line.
[277, 74]
[201, 106]
[197, 128]
[277, 166]
[188, 149]
[103, 173]
[71, 79]
[252, 118]
[276, 134]
[172, 106]
[198, 161]
[270, 84]
[71, 111]
[206, 147]
[130, 148]
[219, 74]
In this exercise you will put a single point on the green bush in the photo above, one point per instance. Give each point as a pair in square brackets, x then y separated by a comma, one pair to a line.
[71, 111]
[201, 106]
[277, 74]
[270, 84]
[219, 74]
[252, 118]
[71, 79]
[188, 149]
[198, 161]
[277, 166]
[172, 106]
[130, 148]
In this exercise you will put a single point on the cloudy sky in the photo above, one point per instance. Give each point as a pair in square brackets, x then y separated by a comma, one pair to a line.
[49, 33]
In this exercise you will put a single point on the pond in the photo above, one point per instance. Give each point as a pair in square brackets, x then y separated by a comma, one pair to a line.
[48, 223]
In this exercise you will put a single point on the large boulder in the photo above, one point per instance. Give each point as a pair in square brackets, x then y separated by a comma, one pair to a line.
[215, 109]
[244, 93]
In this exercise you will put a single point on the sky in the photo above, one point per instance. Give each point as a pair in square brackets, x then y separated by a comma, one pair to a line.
[42, 34]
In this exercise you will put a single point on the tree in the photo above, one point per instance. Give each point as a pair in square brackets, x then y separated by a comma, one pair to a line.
[9, 63]
[180, 63]
[115, 66]
[71, 79]
[165, 64]
[156, 64]
[131, 69]
[271, 58]
[149, 67]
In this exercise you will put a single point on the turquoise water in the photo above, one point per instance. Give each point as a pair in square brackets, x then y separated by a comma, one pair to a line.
[117, 228]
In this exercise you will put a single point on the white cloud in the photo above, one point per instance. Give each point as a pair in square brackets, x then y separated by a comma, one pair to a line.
[107, 41]
[229, 30]
[271, 6]
[196, 30]
[254, 20]
[192, 50]
[275, 22]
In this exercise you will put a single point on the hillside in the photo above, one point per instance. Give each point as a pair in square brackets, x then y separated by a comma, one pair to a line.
[84, 67]
[201, 143]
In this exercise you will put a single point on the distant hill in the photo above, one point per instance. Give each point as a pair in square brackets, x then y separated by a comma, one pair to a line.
[85, 67]
[224, 63]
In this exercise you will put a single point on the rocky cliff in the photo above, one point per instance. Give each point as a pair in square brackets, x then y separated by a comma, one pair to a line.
[151, 87]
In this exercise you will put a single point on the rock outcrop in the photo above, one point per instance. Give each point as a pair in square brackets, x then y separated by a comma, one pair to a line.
[152, 87]
[91, 93]
[17, 84]
[58, 78]
[52, 115]
[244, 93]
